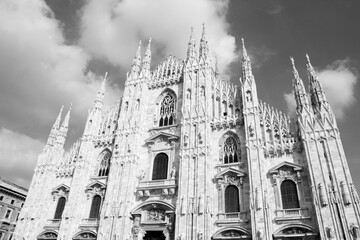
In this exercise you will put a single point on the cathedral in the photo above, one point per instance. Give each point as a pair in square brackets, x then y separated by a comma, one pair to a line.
[186, 155]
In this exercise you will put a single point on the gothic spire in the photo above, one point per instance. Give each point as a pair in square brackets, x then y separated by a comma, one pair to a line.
[203, 49]
[191, 52]
[99, 101]
[299, 89]
[64, 128]
[136, 64]
[55, 128]
[147, 58]
[246, 64]
[316, 92]
[217, 72]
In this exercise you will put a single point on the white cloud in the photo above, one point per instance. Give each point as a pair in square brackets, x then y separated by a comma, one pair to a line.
[338, 81]
[39, 71]
[18, 156]
[111, 29]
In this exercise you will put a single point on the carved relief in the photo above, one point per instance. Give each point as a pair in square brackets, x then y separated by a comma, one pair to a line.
[155, 215]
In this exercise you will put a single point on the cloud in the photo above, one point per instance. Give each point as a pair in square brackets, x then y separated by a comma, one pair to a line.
[18, 156]
[111, 29]
[338, 80]
[39, 71]
[259, 55]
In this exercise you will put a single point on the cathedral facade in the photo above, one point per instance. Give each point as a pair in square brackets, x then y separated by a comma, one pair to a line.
[186, 155]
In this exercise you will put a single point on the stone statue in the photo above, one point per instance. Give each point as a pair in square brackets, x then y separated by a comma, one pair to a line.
[173, 173]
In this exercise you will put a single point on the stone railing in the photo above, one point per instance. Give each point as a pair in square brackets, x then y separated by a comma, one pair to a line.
[293, 213]
[89, 222]
[233, 217]
[156, 187]
[53, 223]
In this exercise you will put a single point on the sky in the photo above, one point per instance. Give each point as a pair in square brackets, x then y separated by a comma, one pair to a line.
[54, 53]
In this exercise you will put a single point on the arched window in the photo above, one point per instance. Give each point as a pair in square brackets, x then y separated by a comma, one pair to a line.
[289, 195]
[230, 151]
[232, 199]
[167, 111]
[160, 167]
[60, 208]
[105, 163]
[95, 207]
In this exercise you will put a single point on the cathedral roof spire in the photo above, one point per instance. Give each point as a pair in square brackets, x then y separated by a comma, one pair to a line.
[55, 128]
[99, 102]
[317, 93]
[136, 64]
[64, 128]
[203, 49]
[246, 64]
[191, 52]
[147, 58]
[217, 72]
[301, 98]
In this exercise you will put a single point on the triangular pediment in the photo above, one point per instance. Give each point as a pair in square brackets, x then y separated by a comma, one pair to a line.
[296, 167]
[95, 184]
[61, 187]
[227, 171]
[161, 136]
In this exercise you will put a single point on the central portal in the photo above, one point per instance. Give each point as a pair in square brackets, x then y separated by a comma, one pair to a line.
[154, 235]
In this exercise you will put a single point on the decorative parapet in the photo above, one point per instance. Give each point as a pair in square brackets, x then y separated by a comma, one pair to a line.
[156, 187]
[89, 223]
[292, 214]
[235, 217]
[52, 224]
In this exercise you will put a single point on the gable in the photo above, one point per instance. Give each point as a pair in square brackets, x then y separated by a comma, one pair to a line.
[296, 167]
[162, 136]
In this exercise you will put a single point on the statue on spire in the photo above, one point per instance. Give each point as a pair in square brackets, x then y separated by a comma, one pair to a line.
[191, 52]
[147, 58]
[136, 64]
[99, 101]
[203, 49]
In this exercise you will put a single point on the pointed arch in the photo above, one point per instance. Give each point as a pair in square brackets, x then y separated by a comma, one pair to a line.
[167, 103]
[229, 148]
[104, 160]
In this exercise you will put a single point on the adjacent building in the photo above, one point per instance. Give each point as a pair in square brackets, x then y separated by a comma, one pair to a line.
[12, 198]
[186, 155]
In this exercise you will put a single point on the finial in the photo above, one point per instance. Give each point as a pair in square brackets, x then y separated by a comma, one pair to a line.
[307, 58]
[244, 52]
[203, 31]
[295, 72]
[217, 73]
[58, 119]
[191, 32]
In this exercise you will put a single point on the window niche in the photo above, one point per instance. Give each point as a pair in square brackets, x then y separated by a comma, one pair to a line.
[231, 198]
[60, 195]
[286, 179]
[104, 164]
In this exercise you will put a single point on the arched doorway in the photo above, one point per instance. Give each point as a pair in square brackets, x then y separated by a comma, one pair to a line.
[154, 235]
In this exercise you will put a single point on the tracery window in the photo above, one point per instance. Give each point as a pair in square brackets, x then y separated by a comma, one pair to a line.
[167, 111]
[160, 167]
[232, 199]
[289, 195]
[230, 148]
[95, 207]
[105, 164]
[60, 208]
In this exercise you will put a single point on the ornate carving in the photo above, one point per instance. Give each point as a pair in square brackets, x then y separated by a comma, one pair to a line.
[173, 173]
[232, 233]
[155, 215]
[330, 232]
[345, 193]
[322, 195]
[355, 231]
